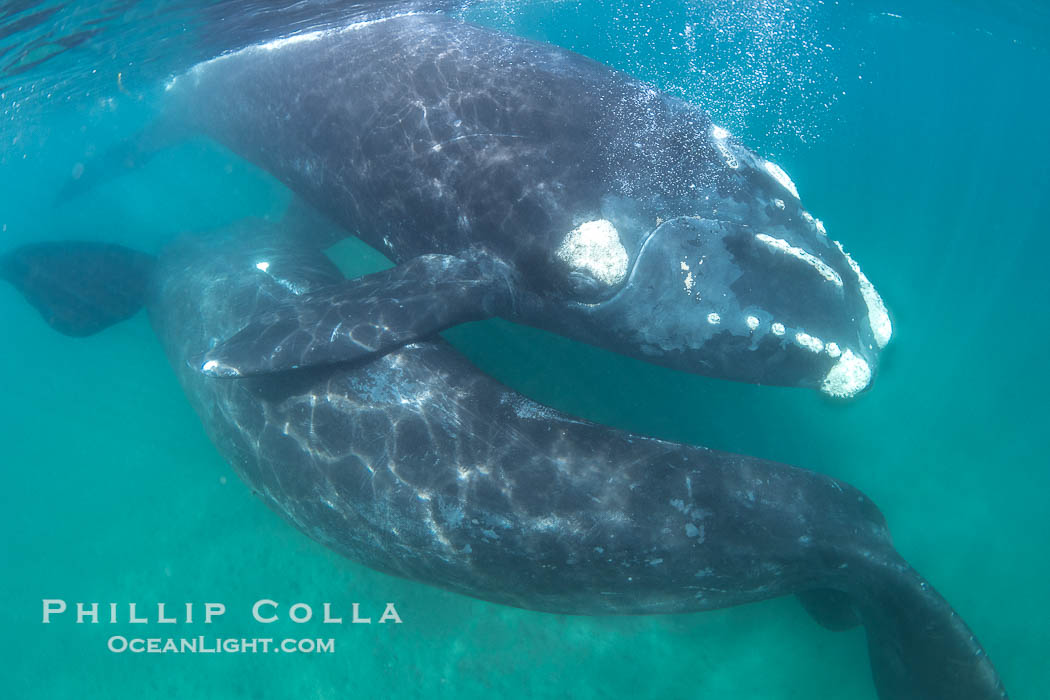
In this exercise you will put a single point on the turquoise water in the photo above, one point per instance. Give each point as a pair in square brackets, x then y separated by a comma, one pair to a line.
[915, 131]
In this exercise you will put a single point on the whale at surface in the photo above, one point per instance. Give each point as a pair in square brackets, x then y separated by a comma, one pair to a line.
[416, 464]
[562, 193]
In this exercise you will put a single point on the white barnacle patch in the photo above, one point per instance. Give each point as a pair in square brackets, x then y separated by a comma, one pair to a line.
[778, 328]
[264, 266]
[781, 177]
[848, 377]
[779, 203]
[689, 280]
[809, 342]
[720, 135]
[752, 322]
[813, 261]
[833, 349]
[595, 246]
[714, 319]
[820, 226]
[878, 316]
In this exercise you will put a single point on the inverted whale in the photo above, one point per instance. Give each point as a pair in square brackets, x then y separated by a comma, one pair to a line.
[417, 464]
[564, 194]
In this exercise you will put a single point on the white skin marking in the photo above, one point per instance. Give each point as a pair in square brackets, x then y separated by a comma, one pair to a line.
[878, 316]
[778, 174]
[813, 261]
[752, 322]
[595, 246]
[778, 329]
[720, 135]
[848, 377]
[714, 319]
[809, 342]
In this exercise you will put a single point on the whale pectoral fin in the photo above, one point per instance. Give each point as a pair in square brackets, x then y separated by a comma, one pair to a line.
[79, 287]
[831, 609]
[122, 158]
[364, 317]
[306, 225]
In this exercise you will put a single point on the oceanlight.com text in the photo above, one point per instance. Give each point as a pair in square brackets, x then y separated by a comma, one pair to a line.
[218, 645]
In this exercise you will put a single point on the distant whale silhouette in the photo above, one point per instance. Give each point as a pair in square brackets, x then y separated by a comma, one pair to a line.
[415, 463]
[581, 200]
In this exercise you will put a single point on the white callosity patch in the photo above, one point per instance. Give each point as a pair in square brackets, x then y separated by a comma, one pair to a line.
[595, 246]
[215, 368]
[878, 316]
[720, 135]
[714, 319]
[778, 328]
[752, 322]
[848, 377]
[813, 261]
[833, 349]
[780, 176]
[779, 203]
[263, 266]
[809, 342]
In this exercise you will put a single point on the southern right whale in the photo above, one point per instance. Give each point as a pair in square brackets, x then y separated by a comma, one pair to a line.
[562, 193]
[417, 464]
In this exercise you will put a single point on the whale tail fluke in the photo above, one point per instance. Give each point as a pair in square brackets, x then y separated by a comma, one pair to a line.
[80, 288]
[920, 648]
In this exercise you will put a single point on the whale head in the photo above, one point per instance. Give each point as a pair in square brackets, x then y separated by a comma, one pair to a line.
[770, 304]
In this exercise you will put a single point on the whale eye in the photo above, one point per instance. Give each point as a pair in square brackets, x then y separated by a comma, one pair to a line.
[595, 257]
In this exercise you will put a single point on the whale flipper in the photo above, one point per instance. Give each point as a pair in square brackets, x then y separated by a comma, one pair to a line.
[365, 317]
[80, 288]
[833, 610]
[122, 158]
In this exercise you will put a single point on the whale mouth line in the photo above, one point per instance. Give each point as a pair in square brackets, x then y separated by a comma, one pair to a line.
[633, 268]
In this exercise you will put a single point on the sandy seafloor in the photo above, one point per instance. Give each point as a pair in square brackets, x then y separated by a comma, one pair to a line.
[932, 170]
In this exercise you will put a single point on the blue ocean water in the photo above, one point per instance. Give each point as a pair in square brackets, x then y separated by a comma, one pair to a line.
[915, 131]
